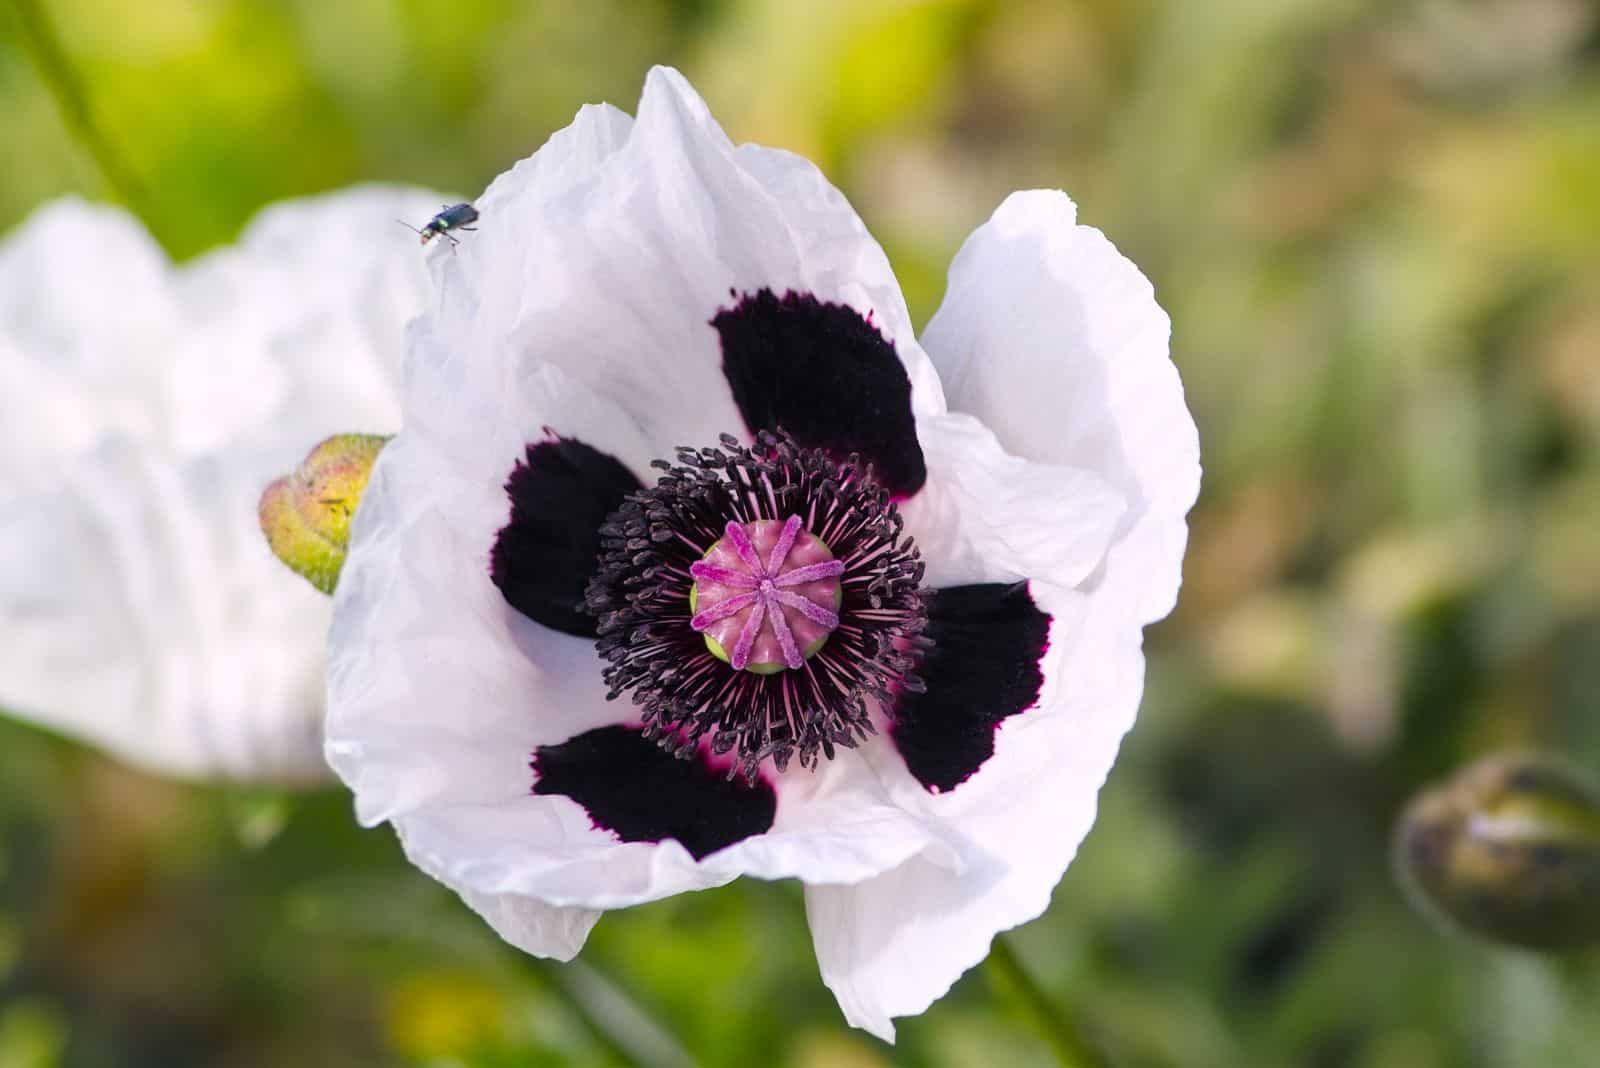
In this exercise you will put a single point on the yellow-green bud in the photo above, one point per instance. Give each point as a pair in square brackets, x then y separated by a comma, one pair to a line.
[306, 515]
[1509, 849]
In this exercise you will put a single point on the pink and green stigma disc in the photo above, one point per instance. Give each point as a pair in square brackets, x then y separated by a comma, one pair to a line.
[766, 596]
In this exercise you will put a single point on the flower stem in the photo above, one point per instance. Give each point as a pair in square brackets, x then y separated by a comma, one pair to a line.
[43, 45]
[616, 1022]
[1009, 975]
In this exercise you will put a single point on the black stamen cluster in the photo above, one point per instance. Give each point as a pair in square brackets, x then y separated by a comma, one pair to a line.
[640, 595]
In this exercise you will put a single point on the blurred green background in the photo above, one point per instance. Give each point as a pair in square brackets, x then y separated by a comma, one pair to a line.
[1376, 225]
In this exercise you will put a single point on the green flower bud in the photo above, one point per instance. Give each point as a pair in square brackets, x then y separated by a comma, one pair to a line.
[306, 515]
[1509, 850]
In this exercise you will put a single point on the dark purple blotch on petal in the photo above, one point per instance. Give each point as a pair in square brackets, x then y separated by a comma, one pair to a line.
[543, 557]
[984, 666]
[824, 374]
[641, 793]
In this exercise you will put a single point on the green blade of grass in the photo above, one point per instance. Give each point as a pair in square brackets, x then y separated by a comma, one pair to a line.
[40, 40]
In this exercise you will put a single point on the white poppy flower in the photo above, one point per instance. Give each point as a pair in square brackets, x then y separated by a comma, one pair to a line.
[915, 730]
[143, 407]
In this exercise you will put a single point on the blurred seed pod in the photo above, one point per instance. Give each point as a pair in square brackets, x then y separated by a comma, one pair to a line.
[1508, 849]
[306, 515]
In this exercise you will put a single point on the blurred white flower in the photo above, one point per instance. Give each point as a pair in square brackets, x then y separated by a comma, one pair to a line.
[143, 407]
[918, 731]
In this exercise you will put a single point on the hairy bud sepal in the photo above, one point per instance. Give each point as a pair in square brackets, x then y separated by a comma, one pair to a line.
[305, 515]
[1509, 850]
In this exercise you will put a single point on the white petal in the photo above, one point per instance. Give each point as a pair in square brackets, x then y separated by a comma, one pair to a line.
[615, 275]
[843, 261]
[438, 690]
[1054, 339]
[544, 930]
[837, 824]
[547, 848]
[145, 614]
[477, 280]
[532, 926]
[310, 309]
[987, 516]
[87, 316]
[893, 945]
[144, 409]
